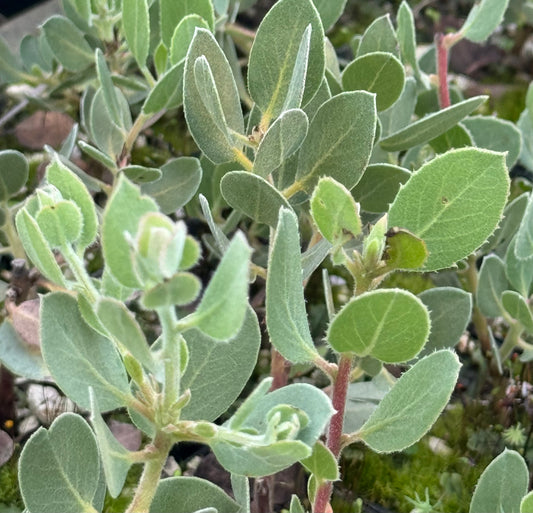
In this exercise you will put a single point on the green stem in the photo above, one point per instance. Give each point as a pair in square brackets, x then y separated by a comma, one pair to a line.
[171, 356]
[151, 475]
[134, 133]
[149, 77]
[78, 269]
[15, 245]
[290, 191]
[243, 160]
[512, 339]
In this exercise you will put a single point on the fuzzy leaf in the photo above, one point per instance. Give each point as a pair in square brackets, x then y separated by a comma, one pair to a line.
[339, 141]
[518, 272]
[60, 223]
[379, 37]
[322, 464]
[122, 215]
[183, 35]
[136, 25]
[68, 44]
[377, 72]
[492, 282]
[378, 186]
[222, 308]
[285, 305]
[502, 485]
[173, 12]
[213, 379]
[334, 211]
[276, 47]
[404, 250]
[413, 404]
[330, 11]
[114, 455]
[524, 236]
[78, 357]
[483, 19]
[14, 172]
[448, 190]
[69, 453]
[168, 92]
[516, 306]
[10, 66]
[181, 289]
[449, 311]
[72, 188]
[280, 141]
[211, 100]
[141, 174]
[253, 196]
[431, 126]
[391, 325]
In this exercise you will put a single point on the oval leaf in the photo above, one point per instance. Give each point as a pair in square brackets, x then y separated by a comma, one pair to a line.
[390, 325]
[450, 191]
[413, 404]
[14, 171]
[136, 25]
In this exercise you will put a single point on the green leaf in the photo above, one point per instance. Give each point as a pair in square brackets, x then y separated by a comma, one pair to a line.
[524, 235]
[280, 141]
[121, 216]
[456, 137]
[518, 272]
[322, 464]
[183, 35]
[400, 113]
[108, 89]
[14, 172]
[72, 188]
[339, 141]
[68, 44]
[211, 100]
[377, 72]
[173, 12]
[526, 504]
[276, 47]
[449, 311]
[20, 357]
[37, 248]
[404, 250]
[492, 282]
[330, 11]
[228, 287]
[413, 404]
[115, 457]
[495, 134]
[285, 305]
[10, 67]
[124, 329]
[30, 54]
[515, 305]
[334, 211]
[78, 357]
[431, 126]
[379, 37]
[141, 174]
[296, 505]
[253, 196]
[211, 375]
[181, 289]
[168, 92]
[451, 190]
[105, 133]
[378, 186]
[60, 223]
[69, 454]
[190, 494]
[391, 325]
[502, 485]
[136, 26]
[483, 19]
[407, 38]
[97, 155]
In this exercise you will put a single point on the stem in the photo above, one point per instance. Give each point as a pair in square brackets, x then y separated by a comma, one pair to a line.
[279, 370]
[134, 133]
[512, 339]
[151, 475]
[442, 70]
[149, 78]
[292, 189]
[76, 266]
[171, 356]
[15, 245]
[242, 159]
[334, 439]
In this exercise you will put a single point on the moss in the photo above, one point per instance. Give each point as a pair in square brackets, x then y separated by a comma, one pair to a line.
[9, 489]
[387, 479]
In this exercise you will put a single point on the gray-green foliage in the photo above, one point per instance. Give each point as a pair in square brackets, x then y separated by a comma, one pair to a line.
[307, 159]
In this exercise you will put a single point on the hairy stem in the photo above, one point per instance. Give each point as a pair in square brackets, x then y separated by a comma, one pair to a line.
[511, 340]
[334, 438]
[442, 70]
[16, 248]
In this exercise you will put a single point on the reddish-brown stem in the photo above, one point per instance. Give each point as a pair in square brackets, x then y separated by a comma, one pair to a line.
[279, 370]
[334, 439]
[442, 70]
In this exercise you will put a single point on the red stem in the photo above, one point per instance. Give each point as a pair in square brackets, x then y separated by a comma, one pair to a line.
[442, 70]
[340, 391]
